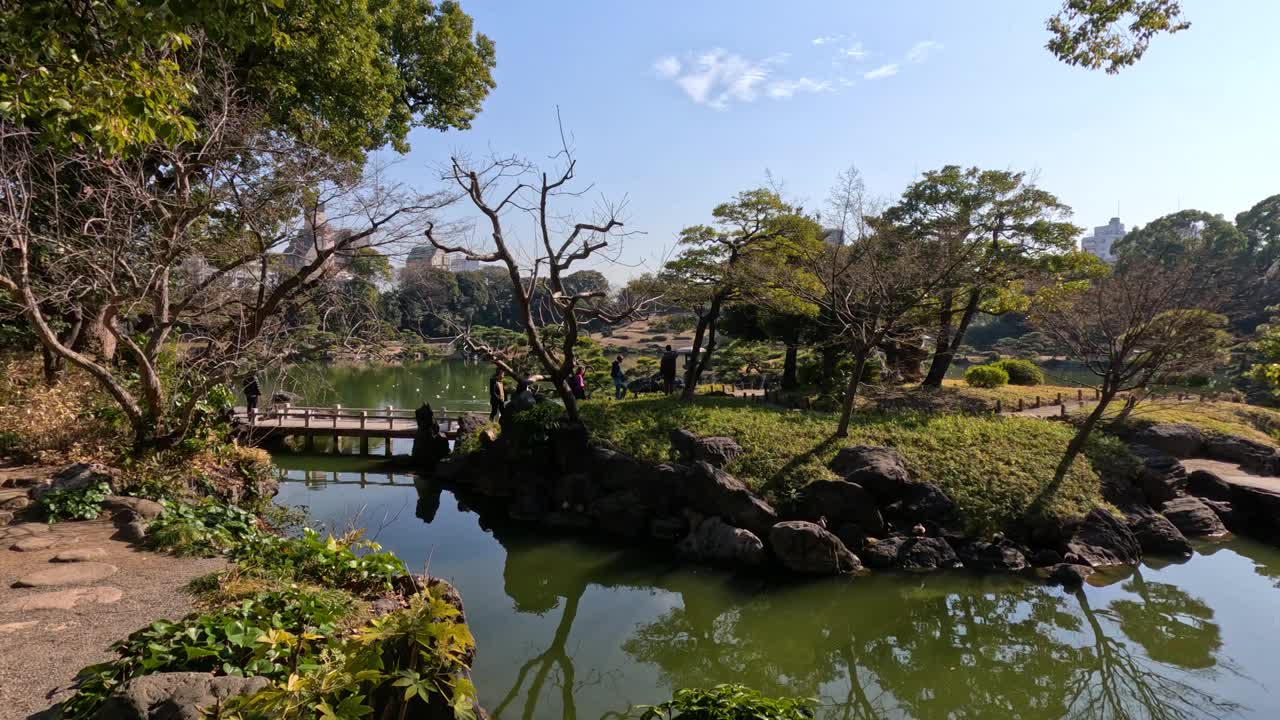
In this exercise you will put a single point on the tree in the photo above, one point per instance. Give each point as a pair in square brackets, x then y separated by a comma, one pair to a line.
[993, 227]
[502, 187]
[1110, 34]
[1134, 327]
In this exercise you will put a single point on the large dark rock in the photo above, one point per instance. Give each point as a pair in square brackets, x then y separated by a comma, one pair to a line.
[715, 541]
[1177, 439]
[805, 547]
[1161, 476]
[1103, 540]
[715, 492]
[716, 451]
[141, 508]
[992, 557]
[1255, 456]
[1158, 536]
[1068, 575]
[471, 423]
[841, 503]
[175, 696]
[1193, 517]
[910, 553]
[879, 470]
[430, 446]
[1205, 484]
[922, 503]
[683, 443]
[622, 513]
[75, 477]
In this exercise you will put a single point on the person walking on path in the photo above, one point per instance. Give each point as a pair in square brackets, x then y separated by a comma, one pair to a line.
[578, 383]
[497, 395]
[668, 368]
[251, 394]
[619, 379]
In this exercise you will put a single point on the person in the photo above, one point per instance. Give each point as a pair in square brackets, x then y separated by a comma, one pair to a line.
[668, 368]
[619, 379]
[578, 383]
[497, 395]
[251, 394]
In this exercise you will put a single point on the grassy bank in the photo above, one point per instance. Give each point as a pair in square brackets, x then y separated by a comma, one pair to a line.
[994, 468]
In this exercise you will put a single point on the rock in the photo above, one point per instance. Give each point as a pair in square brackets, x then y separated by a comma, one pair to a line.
[471, 423]
[1045, 557]
[841, 503]
[1103, 540]
[1157, 536]
[715, 492]
[879, 470]
[1162, 477]
[74, 477]
[36, 542]
[927, 553]
[141, 507]
[992, 557]
[134, 531]
[717, 451]
[1255, 456]
[621, 513]
[567, 520]
[882, 554]
[384, 606]
[1224, 510]
[64, 599]
[175, 696]
[713, 540]
[13, 499]
[1193, 517]
[519, 403]
[852, 536]
[1177, 439]
[1205, 484]
[683, 444]
[668, 528]
[6, 517]
[70, 574]
[79, 555]
[1069, 575]
[805, 547]
[15, 504]
[922, 503]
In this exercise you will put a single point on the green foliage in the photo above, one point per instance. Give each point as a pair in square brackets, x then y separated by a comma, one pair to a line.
[271, 634]
[1020, 372]
[728, 702]
[530, 431]
[204, 529]
[1191, 235]
[1110, 34]
[986, 376]
[82, 503]
[351, 563]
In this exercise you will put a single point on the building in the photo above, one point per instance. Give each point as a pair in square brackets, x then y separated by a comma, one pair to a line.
[316, 237]
[1102, 240]
[433, 257]
[833, 236]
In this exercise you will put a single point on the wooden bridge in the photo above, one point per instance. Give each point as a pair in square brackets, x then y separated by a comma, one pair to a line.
[336, 422]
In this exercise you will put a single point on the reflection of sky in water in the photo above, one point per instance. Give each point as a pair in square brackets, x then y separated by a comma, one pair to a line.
[619, 628]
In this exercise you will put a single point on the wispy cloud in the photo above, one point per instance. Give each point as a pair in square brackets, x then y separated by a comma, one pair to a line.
[667, 67]
[826, 39]
[882, 72]
[781, 89]
[854, 52]
[718, 78]
[922, 50]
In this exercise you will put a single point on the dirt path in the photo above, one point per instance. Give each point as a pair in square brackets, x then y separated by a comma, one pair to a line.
[87, 590]
[1234, 474]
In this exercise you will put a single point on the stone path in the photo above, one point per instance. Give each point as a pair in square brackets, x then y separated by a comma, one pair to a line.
[1233, 474]
[67, 592]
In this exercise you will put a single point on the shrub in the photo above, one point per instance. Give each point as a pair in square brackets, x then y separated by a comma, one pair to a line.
[209, 528]
[351, 563]
[728, 702]
[986, 376]
[1021, 372]
[82, 503]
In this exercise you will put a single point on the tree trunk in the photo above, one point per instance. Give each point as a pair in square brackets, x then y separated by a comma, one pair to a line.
[1130, 402]
[945, 352]
[789, 380]
[700, 359]
[829, 355]
[1082, 436]
[851, 394]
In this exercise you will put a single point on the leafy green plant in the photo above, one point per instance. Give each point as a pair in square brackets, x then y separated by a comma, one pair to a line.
[82, 503]
[205, 529]
[350, 563]
[986, 376]
[1021, 372]
[728, 702]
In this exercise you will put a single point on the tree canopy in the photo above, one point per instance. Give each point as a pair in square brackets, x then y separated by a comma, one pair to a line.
[1110, 34]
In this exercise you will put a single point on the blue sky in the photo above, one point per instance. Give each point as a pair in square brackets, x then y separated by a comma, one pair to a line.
[677, 106]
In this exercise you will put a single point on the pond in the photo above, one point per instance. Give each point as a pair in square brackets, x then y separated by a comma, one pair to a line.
[572, 629]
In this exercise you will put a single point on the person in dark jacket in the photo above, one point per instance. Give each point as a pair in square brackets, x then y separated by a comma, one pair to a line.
[251, 394]
[497, 395]
[667, 366]
[619, 379]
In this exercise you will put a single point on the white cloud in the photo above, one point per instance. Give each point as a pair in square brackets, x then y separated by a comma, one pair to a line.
[922, 50]
[884, 71]
[824, 39]
[667, 67]
[854, 52]
[782, 89]
[844, 81]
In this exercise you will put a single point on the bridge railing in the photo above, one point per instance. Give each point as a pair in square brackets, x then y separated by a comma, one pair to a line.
[315, 416]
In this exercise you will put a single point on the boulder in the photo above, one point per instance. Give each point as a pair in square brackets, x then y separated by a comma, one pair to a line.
[683, 444]
[910, 553]
[74, 477]
[1158, 536]
[879, 470]
[1225, 511]
[471, 423]
[1103, 540]
[922, 503]
[1177, 439]
[717, 451]
[662, 486]
[714, 492]
[621, 513]
[1193, 517]
[175, 696]
[668, 528]
[992, 557]
[141, 507]
[882, 554]
[1251, 455]
[715, 541]
[567, 521]
[1205, 484]
[1046, 557]
[1161, 476]
[6, 517]
[841, 503]
[805, 547]
[1068, 575]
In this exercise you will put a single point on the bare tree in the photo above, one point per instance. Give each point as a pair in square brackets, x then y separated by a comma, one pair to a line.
[1133, 327]
[504, 190]
[193, 250]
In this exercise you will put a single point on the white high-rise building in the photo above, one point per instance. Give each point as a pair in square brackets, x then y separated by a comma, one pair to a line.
[1103, 237]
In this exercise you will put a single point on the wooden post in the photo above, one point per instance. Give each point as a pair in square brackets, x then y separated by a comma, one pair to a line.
[1059, 398]
[998, 406]
[1096, 394]
[252, 413]
[1037, 401]
[1062, 409]
[1079, 395]
[1019, 404]
[308, 441]
[386, 442]
[364, 436]
[337, 410]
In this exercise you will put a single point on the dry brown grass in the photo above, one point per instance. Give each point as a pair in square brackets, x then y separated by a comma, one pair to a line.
[54, 424]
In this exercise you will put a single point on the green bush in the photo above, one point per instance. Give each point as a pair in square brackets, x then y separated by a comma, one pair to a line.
[986, 376]
[728, 702]
[358, 566]
[82, 503]
[1021, 372]
[209, 528]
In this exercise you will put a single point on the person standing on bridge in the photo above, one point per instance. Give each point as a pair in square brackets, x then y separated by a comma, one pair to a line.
[619, 379]
[668, 367]
[251, 394]
[497, 395]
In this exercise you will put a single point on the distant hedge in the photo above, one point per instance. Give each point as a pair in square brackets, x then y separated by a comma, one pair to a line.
[1021, 372]
[986, 376]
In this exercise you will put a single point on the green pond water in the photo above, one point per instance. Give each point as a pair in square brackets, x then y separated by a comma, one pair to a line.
[573, 629]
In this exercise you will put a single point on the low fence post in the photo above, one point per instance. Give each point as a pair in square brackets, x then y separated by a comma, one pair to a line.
[1019, 404]
[998, 404]
[364, 437]
[309, 441]
[337, 410]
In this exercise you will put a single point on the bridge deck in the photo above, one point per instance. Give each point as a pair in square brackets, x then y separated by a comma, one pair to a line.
[338, 422]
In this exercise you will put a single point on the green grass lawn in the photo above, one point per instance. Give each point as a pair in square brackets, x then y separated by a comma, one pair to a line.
[994, 468]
